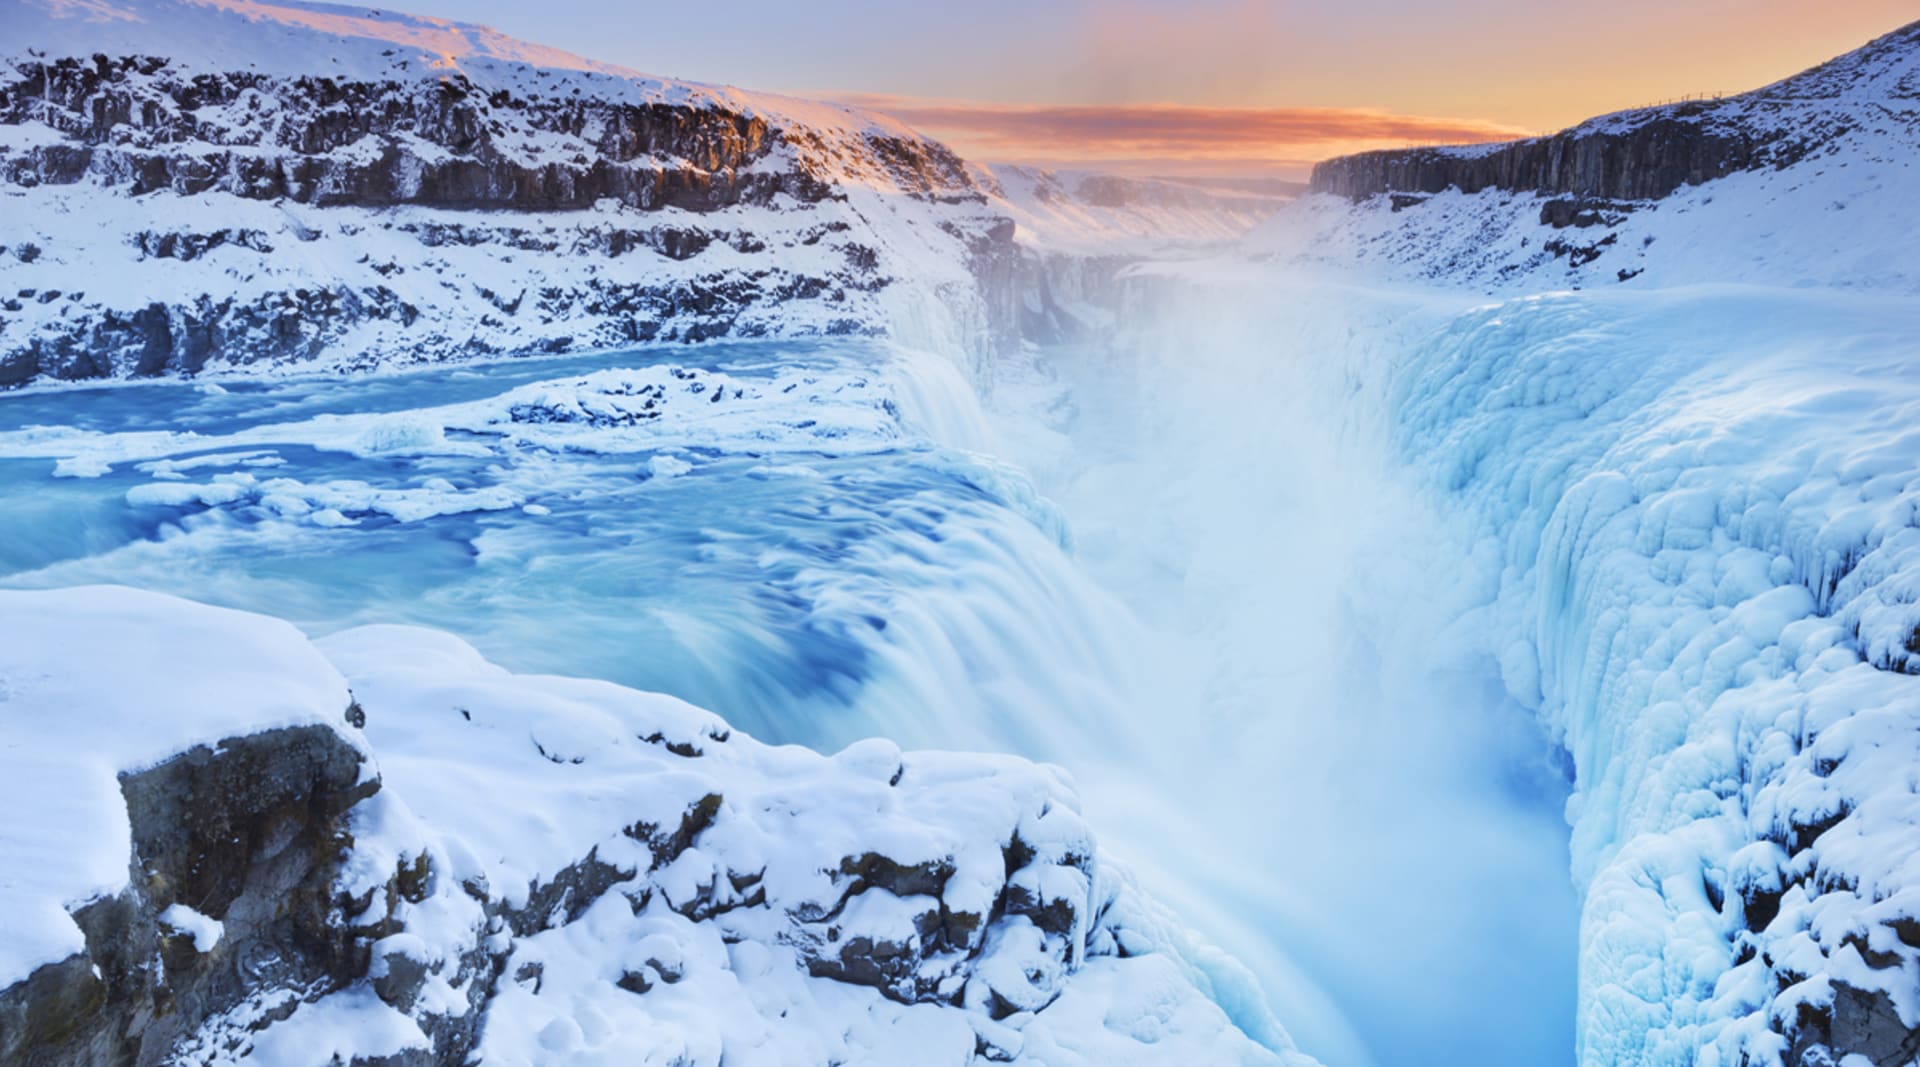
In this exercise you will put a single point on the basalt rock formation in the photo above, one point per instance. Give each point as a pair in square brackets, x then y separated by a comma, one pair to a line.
[251, 831]
[144, 123]
[188, 186]
[1648, 153]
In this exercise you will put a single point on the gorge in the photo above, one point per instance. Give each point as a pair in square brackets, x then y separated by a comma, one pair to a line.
[1465, 613]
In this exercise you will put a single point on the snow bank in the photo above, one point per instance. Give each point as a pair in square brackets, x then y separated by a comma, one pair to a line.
[647, 885]
[737, 870]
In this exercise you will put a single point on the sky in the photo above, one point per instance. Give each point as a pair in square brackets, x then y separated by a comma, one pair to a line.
[1209, 86]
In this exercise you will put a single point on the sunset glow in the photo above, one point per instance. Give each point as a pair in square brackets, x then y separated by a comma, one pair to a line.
[1170, 138]
[1211, 86]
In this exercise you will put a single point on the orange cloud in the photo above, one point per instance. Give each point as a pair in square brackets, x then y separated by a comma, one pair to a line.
[1174, 138]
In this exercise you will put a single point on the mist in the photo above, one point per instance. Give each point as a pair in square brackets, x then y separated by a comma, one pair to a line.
[1336, 787]
[1179, 563]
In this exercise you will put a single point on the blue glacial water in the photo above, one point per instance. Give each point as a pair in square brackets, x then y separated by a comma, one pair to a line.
[811, 596]
[840, 560]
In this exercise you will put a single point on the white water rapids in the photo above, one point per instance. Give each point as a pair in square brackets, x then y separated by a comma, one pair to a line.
[1179, 566]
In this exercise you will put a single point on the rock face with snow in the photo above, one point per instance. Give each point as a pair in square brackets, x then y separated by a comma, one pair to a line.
[248, 830]
[1696, 192]
[449, 863]
[1649, 153]
[203, 185]
[200, 183]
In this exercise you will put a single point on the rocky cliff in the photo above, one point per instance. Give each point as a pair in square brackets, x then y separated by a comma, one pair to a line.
[1801, 183]
[1648, 153]
[143, 123]
[192, 185]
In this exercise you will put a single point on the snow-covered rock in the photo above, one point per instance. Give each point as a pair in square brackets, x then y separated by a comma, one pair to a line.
[202, 183]
[1804, 182]
[199, 185]
[1647, 153]
[238, 846]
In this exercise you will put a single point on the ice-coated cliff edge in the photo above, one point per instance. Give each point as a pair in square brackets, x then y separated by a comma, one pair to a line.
[240, 846]
[1680, 443]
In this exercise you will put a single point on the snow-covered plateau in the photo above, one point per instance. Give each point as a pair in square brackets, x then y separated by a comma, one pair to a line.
[1467, 614]
[308, 185]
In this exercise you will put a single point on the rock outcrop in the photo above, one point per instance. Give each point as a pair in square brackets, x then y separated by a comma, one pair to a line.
[247, 834]
[192, 187]
[141, 124]
[1802, 183]
[1648, 153]
[542, 869]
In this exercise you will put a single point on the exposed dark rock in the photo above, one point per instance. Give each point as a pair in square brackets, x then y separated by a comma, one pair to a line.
[667, 845]
[1638, 155]
[564, 897]
[1644, 162]
[248, 833]
[1861, 1022]
[141, 122]
[885, 965]
[1582, 213]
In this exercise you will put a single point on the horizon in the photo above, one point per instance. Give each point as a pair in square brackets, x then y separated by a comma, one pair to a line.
[1231, 89]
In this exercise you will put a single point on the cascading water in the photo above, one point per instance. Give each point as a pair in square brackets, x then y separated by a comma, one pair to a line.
[812, 584]
[1348, 793]
[1247, 661]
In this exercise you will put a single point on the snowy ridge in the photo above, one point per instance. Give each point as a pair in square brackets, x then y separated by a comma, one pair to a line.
[359, 188]
[547, 870]
[1647, 153]
[296, 39]
[1811, 173]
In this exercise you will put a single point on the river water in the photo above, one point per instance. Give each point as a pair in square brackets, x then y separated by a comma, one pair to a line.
[827, 541]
